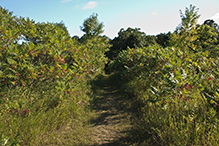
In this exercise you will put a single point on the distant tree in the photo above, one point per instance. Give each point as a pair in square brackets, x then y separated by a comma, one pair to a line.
[163, 39]
[209, 37]
[195, 37]
[150, 40]
[92, 39]
[76, 38]
[91, 27]
[185, 33]
[211, 23]
[132, 37]
[189, 19]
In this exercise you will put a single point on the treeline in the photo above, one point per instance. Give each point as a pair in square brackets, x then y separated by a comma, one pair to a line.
[189, 33]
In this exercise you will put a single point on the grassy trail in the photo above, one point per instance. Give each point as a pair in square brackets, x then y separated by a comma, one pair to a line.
[113, 116]
[109, 123]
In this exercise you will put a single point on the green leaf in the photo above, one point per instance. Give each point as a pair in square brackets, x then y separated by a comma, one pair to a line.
[12, 70]
[126, 67]
[11, 76]
[177, 73]
[11, 61]
[184, 91]
[1, 73]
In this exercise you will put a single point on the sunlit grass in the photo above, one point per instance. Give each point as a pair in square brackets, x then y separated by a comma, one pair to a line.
[33, 116]
[173, 122]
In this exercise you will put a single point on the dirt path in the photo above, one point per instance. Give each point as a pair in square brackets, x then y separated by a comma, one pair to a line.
[110, 123]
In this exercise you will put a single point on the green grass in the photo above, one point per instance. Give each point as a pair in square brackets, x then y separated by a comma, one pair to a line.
[32, 116]
[91, 115]
[103, 111]
[174, 122]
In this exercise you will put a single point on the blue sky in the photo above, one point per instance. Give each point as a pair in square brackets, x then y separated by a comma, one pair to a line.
[152, 16]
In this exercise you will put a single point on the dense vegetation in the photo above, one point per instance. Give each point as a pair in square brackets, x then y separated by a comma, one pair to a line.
[45, 78]
[177, 86]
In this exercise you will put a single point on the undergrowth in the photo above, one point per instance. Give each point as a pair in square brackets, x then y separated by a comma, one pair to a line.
[37, 116]
[171, 123]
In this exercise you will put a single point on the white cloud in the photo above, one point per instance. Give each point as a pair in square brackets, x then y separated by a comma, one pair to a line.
[65, 1]
[216, 16]
[154, 13]
[90, 5]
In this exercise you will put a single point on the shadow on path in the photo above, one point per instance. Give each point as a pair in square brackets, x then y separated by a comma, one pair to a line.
[116, 111]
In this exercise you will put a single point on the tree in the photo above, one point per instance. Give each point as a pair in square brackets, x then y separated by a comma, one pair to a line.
[163, 39]
[189, 19]
[209, 37]
[92, 40]
[211, 23]
[186, 33]
[132, 38]
[195, 37]
[91, 27]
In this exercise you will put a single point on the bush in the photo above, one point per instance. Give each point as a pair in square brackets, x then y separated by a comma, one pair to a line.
[177, 91]
[44, 79]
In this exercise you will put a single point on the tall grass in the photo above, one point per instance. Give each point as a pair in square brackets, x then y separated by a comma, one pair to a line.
[36, 116]
[174, 122]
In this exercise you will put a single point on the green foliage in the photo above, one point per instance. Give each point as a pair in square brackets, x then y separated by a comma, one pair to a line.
[172, 67]
[44, 75]
[163, 39]
[196, 37]
[62, 26]
[129, 38]
[177, 87]
[48, 53]
[170, 82]
[92, 38]
[91, 27]
[43, 78]
[186, 32]
[189, 20]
